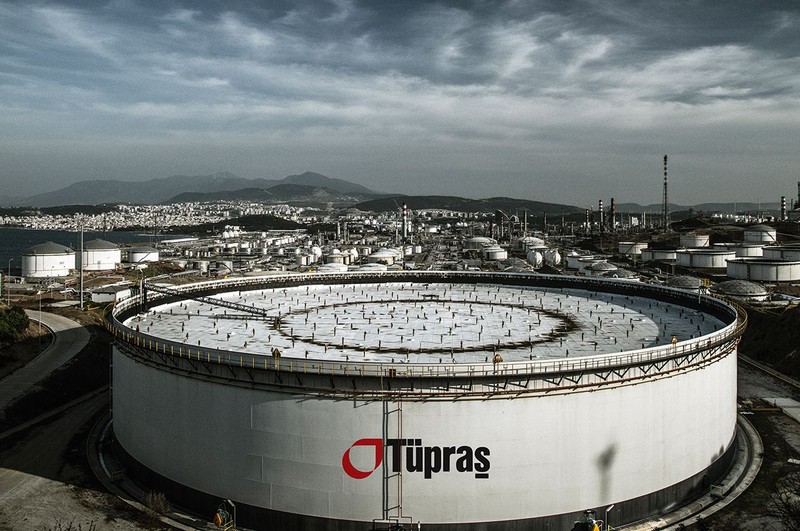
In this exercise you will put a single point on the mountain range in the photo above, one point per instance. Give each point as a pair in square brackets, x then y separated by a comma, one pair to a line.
[314, 188]
[176, 188]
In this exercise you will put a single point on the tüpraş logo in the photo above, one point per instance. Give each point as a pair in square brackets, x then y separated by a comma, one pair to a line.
[419, 458]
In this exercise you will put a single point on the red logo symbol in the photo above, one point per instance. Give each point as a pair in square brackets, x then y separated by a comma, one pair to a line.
[354, 472]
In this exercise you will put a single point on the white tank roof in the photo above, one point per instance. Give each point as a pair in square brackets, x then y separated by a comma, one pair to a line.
[47, 248]
[740, 288]
[100, 245]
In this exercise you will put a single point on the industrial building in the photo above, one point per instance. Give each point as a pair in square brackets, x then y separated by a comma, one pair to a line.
[450, 400]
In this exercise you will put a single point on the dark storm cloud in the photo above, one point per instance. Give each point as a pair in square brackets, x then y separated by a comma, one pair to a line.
[574, 98]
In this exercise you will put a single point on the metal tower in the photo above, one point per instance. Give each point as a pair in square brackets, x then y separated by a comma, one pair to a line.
[665, 213]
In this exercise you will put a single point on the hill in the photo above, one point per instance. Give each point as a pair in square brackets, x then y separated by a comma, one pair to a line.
[160, 190]
[281, 193]
[508, 205]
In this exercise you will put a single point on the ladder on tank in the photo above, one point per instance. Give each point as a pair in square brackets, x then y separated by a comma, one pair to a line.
[393, 517]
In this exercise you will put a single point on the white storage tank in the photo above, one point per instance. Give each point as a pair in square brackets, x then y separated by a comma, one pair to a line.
[658, 255]
[142, 254]
[48, 260]
[743, 250]
[631, 248]
[101, 255]
[552, 257]
[601, 269]
[782, 252]
[693, 239]
[494, 252]
[761, 234]
[741, 290]
[764, 270]
[575, 260]
[478, 242]
[472, 426]
[535, 258]
[704, 258]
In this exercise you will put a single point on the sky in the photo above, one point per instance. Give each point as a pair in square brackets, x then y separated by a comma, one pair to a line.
[558, 101]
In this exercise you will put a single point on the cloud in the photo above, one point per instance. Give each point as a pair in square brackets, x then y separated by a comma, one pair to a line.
[516, 89]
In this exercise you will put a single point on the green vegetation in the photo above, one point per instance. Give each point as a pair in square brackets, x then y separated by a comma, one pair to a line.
[13, 323]
[262, 222]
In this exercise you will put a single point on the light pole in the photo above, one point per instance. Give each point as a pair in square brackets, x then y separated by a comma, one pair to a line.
[608, 509]
[40, 319]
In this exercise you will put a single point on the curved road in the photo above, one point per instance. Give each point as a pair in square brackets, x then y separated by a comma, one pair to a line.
[69, 338]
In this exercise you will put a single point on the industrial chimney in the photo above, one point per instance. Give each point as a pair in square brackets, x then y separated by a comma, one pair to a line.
[665, 212]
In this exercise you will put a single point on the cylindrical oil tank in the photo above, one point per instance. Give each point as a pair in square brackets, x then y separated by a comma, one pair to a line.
[704, 258]
[338, 438]
[631, 248]
[48, 260]
[761, 234]
[692, 240]
[101, 255]
[781, 253]
[494, 252]
[764, 270]
[142, 254]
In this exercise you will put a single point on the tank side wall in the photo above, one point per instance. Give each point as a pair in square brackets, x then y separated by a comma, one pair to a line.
[542, 455]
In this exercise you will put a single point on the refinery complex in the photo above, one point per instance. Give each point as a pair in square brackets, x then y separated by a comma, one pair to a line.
[427, 368]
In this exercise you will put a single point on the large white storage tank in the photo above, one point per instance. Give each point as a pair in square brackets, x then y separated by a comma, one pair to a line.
[48, 260]
[142, 255]
[704, 258]
[658, 255]
[631, 248]
[764, 270]
[742, 250]
[352, 421]
[782, 252]
[100, 255]
[494, 252]
[478, 242]
[693, 239]
[761, 234]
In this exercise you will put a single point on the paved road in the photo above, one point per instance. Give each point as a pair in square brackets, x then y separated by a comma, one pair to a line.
[70, 338]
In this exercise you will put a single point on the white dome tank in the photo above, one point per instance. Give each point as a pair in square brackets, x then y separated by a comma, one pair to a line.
[48, 260]
[535, 258]
[100, 255]
[552, 257]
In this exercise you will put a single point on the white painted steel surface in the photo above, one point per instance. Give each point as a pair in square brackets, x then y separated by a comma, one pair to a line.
[549, 448]
[48, 265]
[101, 259]
[695, 240]
[284, 452]
[704, 258]
[764, 270]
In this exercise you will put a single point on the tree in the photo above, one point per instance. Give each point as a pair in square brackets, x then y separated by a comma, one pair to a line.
[13, 322]
[785, 501]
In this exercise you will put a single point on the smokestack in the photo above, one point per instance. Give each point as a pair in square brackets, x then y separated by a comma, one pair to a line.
[613, 214]
[665, 213]
[601, 212]
[405, 223]
[783, 208]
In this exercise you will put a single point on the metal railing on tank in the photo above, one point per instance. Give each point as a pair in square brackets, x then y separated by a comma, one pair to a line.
[289, 362]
